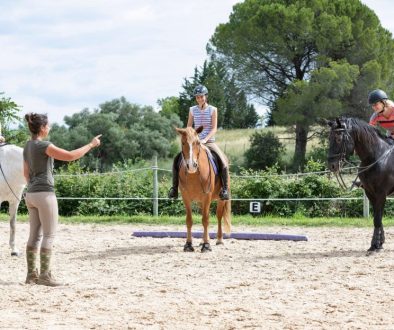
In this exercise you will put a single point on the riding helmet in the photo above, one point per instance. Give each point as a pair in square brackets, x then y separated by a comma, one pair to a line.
[376, 96]
[200, 90]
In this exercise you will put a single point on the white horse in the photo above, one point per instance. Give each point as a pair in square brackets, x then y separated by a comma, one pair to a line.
[12, 183]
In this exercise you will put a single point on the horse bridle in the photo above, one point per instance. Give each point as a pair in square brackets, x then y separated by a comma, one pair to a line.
[342, 159]
[341, 156]
[198, 170]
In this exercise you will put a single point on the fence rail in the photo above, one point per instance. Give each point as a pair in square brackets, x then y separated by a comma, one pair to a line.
[154, 198]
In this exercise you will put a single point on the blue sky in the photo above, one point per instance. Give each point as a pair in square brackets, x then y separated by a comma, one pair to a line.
[59, 57]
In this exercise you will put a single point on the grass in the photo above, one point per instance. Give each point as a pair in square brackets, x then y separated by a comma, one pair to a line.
[246, 220]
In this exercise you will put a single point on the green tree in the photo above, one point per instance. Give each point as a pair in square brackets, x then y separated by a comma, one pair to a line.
[273, 46]
[169, 106]
[130, 132]
[265, 151]
[8, 111]
[234, 109]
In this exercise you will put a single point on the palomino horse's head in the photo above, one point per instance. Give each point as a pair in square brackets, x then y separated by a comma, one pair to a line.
[341, 143]
[191, 147]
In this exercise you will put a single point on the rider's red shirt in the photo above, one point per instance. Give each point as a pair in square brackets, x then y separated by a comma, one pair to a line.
[386, 123]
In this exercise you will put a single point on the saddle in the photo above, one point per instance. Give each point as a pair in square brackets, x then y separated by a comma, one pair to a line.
[213, 159]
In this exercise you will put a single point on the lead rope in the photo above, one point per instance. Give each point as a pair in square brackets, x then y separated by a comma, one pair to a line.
[6, 181]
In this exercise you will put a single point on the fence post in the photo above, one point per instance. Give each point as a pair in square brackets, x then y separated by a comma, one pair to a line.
[365, 205]
[155, 188]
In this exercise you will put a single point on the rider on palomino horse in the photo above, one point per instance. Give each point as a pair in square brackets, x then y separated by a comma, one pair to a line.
[203, 114]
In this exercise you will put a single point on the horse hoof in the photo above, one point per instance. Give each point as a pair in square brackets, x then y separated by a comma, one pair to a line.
[206, 247]
[188, 247]
[373, 250]
[219, 242]
[14, 254]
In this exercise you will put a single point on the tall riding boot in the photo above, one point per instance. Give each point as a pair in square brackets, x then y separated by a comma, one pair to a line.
[32, 272]
[224, 192]
[173, 193]
[46, 277]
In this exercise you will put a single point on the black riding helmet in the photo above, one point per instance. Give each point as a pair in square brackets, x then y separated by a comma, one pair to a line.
[376, 96]
[200, 90]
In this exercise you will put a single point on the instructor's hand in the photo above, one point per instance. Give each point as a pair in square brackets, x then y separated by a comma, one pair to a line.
[95, 141]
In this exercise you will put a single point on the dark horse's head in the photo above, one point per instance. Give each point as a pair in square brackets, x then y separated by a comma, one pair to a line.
[341, 143]
[191, 147]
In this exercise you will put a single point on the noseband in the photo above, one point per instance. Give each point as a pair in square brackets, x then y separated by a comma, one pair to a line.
[196, 164]
[341, 156]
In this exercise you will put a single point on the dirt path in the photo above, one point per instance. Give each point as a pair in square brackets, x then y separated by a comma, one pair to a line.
[114, 281]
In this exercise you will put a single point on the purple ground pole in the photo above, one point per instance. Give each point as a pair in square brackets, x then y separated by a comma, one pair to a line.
[244, 236]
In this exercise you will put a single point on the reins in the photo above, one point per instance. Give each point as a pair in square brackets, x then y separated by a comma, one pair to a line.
[202, 184]
[342, 159]
[9, 186]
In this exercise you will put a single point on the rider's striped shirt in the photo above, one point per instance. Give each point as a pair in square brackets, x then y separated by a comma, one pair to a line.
[203, 118]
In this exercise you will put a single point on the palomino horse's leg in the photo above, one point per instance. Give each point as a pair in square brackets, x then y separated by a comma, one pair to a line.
[13, 207]
[219, 215]
[205, 222]
[188, 247]
[378, 233]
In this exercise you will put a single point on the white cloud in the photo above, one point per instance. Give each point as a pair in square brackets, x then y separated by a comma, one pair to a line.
[62, 56]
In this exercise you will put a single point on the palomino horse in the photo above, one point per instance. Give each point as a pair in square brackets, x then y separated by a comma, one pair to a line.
[376, 170]
[197, 182]
[12, 183]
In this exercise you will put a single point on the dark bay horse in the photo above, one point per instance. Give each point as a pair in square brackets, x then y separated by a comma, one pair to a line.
[198, 182]
[376, 171]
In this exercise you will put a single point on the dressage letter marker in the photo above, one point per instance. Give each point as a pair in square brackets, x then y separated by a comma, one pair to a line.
[255, 207]
[244, 236]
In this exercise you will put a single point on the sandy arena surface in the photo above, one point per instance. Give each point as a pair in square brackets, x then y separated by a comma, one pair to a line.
[114, 281]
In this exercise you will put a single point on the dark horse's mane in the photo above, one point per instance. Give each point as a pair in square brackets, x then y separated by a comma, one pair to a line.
[362, 131]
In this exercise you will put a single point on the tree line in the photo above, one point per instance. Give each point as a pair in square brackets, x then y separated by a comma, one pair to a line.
[304, 59]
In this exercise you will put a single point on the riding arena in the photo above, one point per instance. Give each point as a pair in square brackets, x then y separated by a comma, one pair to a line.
[116, 280]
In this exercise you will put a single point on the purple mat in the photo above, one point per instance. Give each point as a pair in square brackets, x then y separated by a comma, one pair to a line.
[245, 236]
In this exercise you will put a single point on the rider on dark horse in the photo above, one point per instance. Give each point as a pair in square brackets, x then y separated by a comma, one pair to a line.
[206, 115]
[383, 112]
[383, 116]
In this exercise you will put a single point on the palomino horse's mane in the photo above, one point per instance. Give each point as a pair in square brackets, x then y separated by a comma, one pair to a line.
[362, 131]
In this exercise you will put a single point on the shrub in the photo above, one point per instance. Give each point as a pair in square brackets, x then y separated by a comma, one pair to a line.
[265, 151]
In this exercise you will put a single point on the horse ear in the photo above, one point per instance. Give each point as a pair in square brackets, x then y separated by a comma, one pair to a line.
[338, 122]
[199, 129]
[180, 131]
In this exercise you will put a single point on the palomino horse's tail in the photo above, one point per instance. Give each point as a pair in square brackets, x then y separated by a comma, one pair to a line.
[227, 217]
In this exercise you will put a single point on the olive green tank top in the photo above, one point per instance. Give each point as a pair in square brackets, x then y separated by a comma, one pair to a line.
[40, 166]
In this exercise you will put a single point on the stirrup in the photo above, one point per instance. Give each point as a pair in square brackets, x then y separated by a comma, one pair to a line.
[173, 193]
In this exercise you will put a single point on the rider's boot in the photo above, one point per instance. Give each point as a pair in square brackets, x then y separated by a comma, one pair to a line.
[173, 193]
[46, 277]
[32, 273]
[224, 193]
